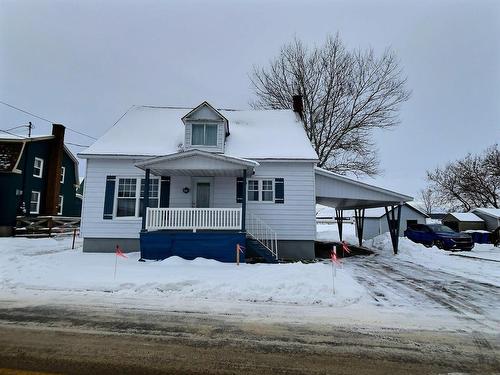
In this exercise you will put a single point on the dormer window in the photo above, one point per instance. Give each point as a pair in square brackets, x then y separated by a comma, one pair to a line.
[204, 135]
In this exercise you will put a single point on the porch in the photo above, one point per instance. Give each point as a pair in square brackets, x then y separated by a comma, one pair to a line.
[205, 214]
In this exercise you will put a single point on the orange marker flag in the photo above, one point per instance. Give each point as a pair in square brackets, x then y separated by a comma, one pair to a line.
[119, 252]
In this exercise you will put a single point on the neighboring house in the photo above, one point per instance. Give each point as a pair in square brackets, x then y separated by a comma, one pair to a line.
[38, 177]
[376, 220]
[462, 221]
[199, 181]
[491, 217]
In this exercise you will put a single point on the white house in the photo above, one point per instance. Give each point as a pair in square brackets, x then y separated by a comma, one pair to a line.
[200, 181]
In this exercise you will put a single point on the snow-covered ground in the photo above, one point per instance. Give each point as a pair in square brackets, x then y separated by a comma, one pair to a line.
[429, 287]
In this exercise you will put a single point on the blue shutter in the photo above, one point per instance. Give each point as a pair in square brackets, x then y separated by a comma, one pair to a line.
[165, 192]
[279, 190]
[239, 190]
[109, 197]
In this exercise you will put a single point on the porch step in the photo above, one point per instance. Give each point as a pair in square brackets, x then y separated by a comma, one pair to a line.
[257, 252]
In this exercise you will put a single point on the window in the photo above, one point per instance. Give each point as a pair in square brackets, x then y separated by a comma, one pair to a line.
[63, 172]
[267, 190]
[35, 202]
[38, 168]
[130, 196]
[253, 190]
[260, 191]
[204, 135]
[125, 204]
[60, 205]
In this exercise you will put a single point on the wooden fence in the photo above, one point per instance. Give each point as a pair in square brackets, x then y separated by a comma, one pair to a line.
[46, 226]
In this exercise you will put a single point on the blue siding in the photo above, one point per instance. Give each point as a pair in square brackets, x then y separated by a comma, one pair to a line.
[220, 246]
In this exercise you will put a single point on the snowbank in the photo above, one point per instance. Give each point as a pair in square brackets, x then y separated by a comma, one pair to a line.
[50, 264]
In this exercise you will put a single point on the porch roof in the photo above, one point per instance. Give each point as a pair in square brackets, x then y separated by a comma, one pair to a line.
[341, 192]
[197, 163]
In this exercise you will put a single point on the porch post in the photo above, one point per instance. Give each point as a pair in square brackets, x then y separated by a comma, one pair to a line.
[146, 200]
[244, 202]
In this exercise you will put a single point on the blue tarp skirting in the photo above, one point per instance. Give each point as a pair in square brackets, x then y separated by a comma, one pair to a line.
[220, 246]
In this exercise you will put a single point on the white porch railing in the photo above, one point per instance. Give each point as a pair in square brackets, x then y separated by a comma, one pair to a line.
[193, 218]
[262, 232]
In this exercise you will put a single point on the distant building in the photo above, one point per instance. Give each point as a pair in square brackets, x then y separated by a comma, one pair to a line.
[38, 177]
[376, 220]
[462, 221]
[491, 217]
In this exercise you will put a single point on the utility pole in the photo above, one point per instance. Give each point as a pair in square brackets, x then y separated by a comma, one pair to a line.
[29, 129]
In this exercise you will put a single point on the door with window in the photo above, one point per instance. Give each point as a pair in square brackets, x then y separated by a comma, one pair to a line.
[202, 197]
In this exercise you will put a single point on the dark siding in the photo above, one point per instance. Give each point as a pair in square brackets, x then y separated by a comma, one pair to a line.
[9, 182]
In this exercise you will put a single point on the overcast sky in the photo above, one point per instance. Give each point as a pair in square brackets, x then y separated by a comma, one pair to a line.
[83, 63]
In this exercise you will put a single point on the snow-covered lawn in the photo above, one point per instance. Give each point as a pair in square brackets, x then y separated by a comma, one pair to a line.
[431, 288]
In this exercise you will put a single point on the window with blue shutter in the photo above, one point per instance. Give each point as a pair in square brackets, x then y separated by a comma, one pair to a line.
[109, 197]
[279, 190]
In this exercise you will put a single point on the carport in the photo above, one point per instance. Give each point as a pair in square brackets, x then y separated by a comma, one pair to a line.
[343, 193]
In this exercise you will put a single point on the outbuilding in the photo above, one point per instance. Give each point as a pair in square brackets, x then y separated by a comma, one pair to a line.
[462, 221]
[376, 220]
[490, 216]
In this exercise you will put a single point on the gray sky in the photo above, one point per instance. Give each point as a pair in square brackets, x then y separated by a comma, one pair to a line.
[83, 63]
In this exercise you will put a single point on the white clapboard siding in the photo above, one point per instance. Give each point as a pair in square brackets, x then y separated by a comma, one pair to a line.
[295, 219]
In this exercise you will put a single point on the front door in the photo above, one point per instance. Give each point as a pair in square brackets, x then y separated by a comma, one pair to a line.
[202, 194]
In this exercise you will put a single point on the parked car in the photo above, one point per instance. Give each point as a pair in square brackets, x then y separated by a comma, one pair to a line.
[439, 235]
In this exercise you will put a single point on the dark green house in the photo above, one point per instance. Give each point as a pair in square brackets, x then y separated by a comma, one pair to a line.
[38, 177]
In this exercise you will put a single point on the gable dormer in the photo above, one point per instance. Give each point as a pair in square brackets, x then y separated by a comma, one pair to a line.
[205, 129]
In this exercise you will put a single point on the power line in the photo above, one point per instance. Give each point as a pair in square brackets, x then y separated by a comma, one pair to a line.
[44, 119]
[15, 135]
[17, 127]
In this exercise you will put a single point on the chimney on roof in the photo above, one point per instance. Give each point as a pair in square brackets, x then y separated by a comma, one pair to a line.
[54, 170]
[298, 105]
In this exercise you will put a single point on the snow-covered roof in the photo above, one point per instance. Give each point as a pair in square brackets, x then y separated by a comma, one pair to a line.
[493, 212]
[16, 137]
[465, 216]
[255, 134]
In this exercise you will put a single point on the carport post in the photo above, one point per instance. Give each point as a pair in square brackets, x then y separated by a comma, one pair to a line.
[339, 216]
[394, 222]
[359, 218]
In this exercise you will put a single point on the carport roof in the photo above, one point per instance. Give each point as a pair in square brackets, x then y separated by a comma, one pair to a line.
[345, 193]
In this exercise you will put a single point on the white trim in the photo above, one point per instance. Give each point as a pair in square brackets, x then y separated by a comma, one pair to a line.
[41, 167]
[260, 190]
[137, 196]
[60, 209]
[37, 202]
[63, 174]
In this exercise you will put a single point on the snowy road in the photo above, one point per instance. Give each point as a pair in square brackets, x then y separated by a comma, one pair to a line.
[395, 283]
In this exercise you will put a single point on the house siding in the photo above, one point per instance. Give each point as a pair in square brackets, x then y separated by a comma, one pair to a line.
[292, 220]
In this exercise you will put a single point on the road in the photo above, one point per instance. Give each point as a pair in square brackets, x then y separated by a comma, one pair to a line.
[106, 340]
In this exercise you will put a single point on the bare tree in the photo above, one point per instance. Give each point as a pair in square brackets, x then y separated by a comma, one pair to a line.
[346, 95]
[429, 200]
[473, 181]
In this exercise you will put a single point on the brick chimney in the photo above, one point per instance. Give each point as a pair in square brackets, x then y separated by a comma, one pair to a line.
[298, 105]
[54, 170]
